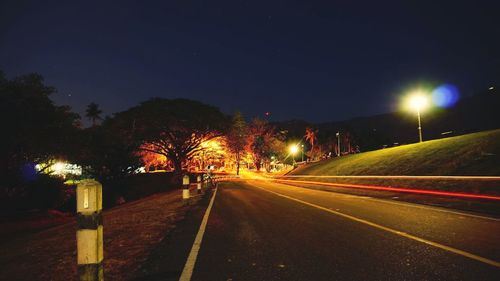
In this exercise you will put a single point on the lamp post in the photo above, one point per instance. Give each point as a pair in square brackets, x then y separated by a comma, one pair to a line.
[302, 146]
[338, 143]
[418, 101]
[419, 126]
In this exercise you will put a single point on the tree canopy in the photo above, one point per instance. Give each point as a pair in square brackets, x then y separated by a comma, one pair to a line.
[263, 142]
[174, 128]
[36, 130]
[93, 113]
[237, 138]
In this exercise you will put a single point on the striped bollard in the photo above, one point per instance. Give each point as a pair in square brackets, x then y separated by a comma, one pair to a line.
[198, 184]
[89, 234]
[185, 189]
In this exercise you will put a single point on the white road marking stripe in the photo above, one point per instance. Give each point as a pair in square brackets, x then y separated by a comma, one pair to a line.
[401, 203]
[187, 272]
[433, 208]
[397, 232]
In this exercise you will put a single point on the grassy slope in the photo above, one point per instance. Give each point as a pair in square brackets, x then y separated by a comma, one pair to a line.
[472, 154]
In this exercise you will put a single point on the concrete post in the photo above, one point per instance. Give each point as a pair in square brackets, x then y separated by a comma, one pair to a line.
[185, 189]
[89, 234]
[198, 184]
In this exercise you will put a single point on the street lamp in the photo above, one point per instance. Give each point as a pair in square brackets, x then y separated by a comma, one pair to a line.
[418, 101]
[293, 150]
[302, 146]
[338, 142]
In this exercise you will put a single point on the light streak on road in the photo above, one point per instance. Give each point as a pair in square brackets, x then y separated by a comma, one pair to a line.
[398, 189]
[485, 178]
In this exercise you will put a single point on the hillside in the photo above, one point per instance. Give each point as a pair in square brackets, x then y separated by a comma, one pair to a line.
[471, 154]
[474, 113]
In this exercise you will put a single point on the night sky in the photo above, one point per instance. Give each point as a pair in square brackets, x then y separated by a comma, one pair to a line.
[311, 60]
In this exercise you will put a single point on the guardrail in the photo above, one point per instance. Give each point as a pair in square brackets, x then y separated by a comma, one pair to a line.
[203, 182]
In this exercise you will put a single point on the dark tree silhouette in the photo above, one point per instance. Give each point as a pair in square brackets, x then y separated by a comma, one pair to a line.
[108, 152]
[35, 130]
[93, 113]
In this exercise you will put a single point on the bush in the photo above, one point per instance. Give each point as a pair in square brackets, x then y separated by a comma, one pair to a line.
[41, 192]
[45, 192]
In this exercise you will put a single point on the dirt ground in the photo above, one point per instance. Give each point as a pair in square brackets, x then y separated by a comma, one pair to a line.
[131, 231]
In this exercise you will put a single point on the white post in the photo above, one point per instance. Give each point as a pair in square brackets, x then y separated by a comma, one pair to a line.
[198, 184]
[89, 234]
[185, 189]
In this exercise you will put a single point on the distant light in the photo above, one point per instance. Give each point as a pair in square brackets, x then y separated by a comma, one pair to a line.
[418, 100]
[445, 95]
[59, 167]
[491, 88]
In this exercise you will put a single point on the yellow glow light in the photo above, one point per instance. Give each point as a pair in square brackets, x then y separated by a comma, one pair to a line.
[294, 149]
[58, 167]
[417, 101]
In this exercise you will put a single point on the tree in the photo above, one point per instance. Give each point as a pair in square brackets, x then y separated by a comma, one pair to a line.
[311, 137]
[149, 159]
[236, 138]
[93, 113]
[109, 151]
[174, 128]
[262, 142]
[35, 130]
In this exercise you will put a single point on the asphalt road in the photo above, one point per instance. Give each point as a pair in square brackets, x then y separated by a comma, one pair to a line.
[260, 230]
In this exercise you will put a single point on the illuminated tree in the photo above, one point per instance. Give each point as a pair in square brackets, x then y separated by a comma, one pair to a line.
[262, 142]
[149, 158]
[236, 138]
[311, 137]
[174, 128]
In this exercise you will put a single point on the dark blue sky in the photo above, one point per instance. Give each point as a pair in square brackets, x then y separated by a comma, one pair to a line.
[312, 60]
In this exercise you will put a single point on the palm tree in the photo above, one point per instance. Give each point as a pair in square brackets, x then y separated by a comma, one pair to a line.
[93, 113]
[311, 137]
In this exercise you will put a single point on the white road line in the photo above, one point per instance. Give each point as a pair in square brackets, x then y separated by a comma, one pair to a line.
[432, 208]
[397, 232]
[401, 203]
[187, 272]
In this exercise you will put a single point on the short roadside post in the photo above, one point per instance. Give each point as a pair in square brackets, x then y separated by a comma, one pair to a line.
[185, 189]
[198, 184]
[89, 234]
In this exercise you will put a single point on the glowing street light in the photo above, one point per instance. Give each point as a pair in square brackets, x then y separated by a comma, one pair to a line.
[293, 150]
[418, 101]
[302, 150]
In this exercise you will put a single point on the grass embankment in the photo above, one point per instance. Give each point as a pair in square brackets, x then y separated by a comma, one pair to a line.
[475, 154]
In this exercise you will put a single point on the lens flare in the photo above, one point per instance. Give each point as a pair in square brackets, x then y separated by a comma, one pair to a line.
[445, 95]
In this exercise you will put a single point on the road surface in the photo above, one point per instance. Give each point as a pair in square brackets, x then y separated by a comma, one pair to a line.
[260, 230]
